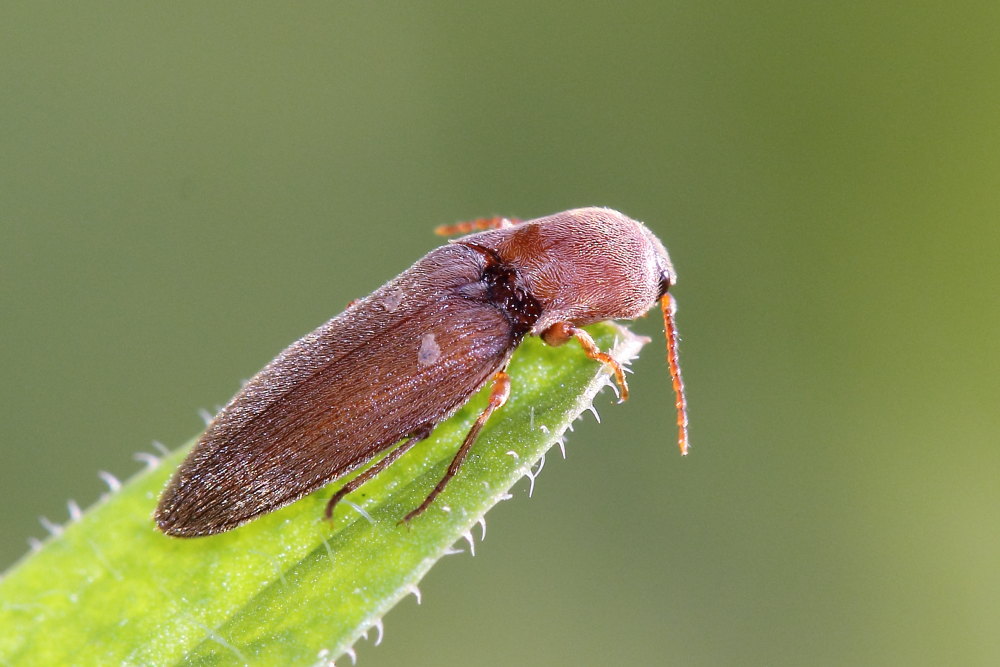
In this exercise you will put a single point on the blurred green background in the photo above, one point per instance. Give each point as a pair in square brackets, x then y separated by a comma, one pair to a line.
[185, 190]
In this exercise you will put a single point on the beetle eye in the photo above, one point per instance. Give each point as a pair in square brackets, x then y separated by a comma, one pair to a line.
[664, 285]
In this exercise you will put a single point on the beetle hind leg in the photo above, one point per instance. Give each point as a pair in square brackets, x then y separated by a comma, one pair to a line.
[498, 396]
[420, 434]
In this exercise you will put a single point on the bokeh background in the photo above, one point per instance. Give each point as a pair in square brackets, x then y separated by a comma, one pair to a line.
[184, 190]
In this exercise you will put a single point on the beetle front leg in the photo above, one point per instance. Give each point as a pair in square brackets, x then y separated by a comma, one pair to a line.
[477, 225]
[560, 332]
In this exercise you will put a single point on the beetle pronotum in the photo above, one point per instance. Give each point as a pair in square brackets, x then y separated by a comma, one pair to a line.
[382, 374]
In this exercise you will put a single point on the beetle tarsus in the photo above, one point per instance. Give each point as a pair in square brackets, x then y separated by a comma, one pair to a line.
[498, 396]
[560, 332]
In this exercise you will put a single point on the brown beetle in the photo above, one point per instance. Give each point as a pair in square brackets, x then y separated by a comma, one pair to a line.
[396, 363]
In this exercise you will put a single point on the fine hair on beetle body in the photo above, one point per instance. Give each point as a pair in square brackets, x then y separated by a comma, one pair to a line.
[381, 375]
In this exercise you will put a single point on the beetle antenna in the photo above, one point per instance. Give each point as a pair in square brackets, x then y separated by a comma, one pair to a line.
[669, 306]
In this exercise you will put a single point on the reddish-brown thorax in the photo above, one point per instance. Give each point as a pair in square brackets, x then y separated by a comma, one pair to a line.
[584, 266]
[588, 265]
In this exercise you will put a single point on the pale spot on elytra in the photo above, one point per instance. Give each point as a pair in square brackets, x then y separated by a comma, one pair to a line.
[429, 351]
[392, 300]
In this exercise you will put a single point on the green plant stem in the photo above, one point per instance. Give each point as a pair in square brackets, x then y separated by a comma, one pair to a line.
[288, 588]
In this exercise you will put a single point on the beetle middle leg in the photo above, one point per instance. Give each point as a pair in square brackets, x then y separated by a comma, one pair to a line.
[560, 332]
[385, 462]
[477, 225]
[498, 396]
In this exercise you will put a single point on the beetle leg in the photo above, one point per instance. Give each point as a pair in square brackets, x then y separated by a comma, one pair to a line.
[477, 225]
[385, 462]
[560, 332]
[498, 396]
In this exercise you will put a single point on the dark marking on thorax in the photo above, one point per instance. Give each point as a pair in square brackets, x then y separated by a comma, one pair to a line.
[504, 290]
